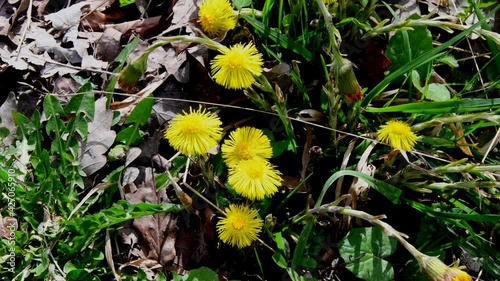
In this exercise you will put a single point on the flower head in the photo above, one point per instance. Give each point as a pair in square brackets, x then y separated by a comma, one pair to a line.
[240, 227]
[236, 67]
[246, 143]
[435, 270]
[195, 132]
[216, 17]
[397, 134]
[254, 178]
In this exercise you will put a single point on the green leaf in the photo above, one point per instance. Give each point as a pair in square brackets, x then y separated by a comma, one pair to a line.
[4, 175]
[199, 274]
[126, 2]
[120, 59]
[437, 92]
[488, 218]
[279, 38]
[390, 192]
[282, 244]
[128, 135]
[367, 240]
[51, 106]
[372, 268]
[54, 125]
[79, 125]
[36, 137]
[127, 50]
[439, 107]
[433, 91]
[120, 212]
[421, 60]
[308, 262]
[58, 146]
[117, 152]
[141, 112]
[363, 249]
[280, 260]
[19, 118]
[407, 45]
[81, 103]
[415, 78]
[4, 132]
[281, 146]
[298, 254]
[449, 60]
[238, 4]
[139, 117]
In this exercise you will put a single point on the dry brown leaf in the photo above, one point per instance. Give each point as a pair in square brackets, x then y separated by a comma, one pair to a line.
[462, 142]
[7, 226]
[7, 121]
[45, 42]
[68, 17]
[144, 27]
[156, 233]
[183, 12]
[108, 46]
[99, 139]
[64, 86]
[7, 20]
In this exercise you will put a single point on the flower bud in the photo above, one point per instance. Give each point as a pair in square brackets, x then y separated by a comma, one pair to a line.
[346, 80]
[435, 270]
[130, 75]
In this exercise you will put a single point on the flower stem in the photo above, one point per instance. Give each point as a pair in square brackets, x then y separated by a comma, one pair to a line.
[376, 220]
[211, 44]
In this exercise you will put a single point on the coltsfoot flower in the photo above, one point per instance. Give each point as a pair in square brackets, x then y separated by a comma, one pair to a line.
[397, 134]
[240, 227]
[194, 133]
[246, 143]
[237, 66]
[254, 179]
[216, 17]
[435, 270]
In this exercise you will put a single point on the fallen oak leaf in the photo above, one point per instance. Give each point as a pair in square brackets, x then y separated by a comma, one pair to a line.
[99, 139]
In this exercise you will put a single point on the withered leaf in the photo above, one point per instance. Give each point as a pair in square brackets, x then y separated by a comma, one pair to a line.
[99, 139]
[155, 234]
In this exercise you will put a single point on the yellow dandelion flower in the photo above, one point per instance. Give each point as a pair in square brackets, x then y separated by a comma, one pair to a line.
[236, 67]
[240, 227]
[246, 143]
[254, 178]
[397, 134]
[435, 270]
[194, 133]
[216, 17]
